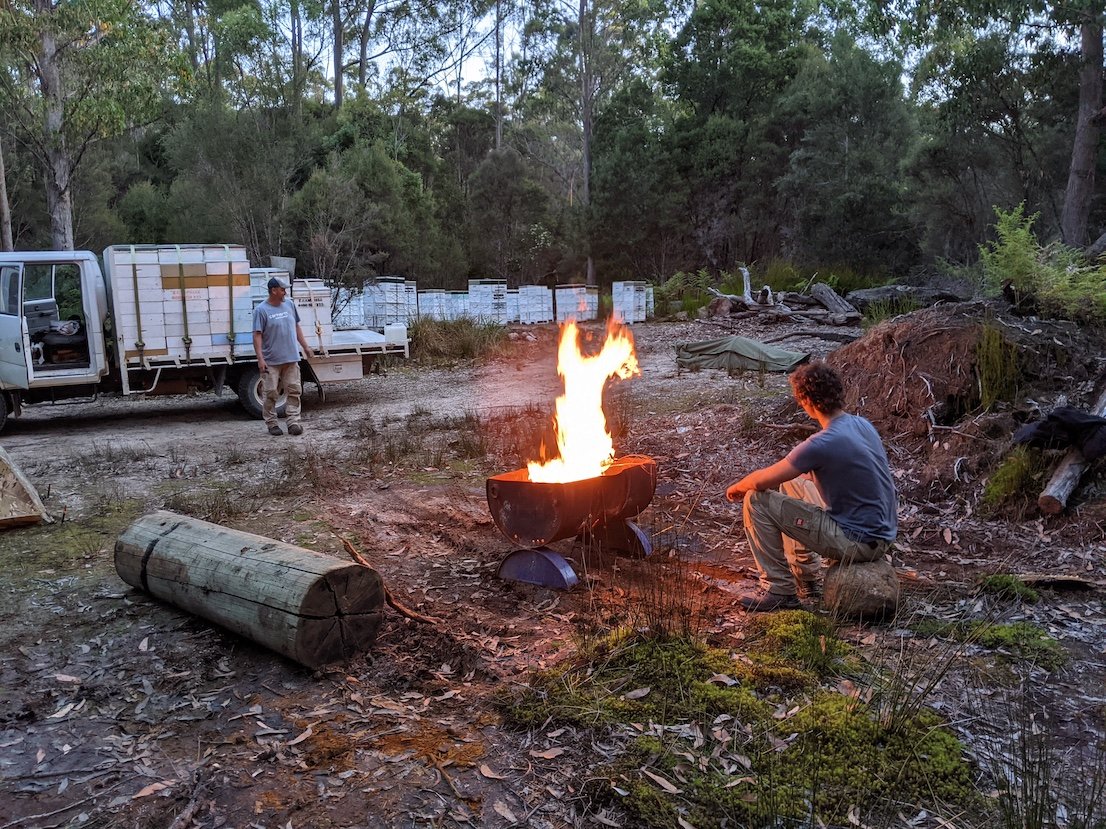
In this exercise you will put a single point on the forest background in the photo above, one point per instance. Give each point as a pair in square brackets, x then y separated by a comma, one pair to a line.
[552, 141]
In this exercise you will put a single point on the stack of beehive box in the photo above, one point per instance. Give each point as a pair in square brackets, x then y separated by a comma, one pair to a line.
[432, 304]
[571, 302]
[535, 304]
[348, 310]
[630, 301]
[385, 301]
[180, 302]
[457, 305]
[487, 300]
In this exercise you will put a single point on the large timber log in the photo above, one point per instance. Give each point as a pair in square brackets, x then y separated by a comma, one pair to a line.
[829, 298]
[1066, 477]
[309, 607]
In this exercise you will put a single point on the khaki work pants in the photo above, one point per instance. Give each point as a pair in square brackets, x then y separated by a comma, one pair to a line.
[789, 533]
[273, 379]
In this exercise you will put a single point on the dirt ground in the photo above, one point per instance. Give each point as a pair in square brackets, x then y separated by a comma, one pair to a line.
[119, 710]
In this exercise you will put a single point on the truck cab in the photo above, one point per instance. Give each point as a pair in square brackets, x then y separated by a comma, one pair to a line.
[53, 307]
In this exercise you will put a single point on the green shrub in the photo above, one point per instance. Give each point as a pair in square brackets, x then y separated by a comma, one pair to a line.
[1053, 280]
[687, 289]
[1014, 257]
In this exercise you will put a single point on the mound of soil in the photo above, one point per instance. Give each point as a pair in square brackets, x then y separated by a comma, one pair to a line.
[920, 378]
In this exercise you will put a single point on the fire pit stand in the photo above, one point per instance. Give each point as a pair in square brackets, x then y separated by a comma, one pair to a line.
[595, 510]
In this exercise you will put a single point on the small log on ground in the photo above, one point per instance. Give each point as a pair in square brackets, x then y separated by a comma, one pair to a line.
[865, 590]
[309, 607]
[1065, 479]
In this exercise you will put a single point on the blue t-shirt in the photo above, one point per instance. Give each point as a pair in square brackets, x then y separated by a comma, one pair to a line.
[849, 466]
[277, 324]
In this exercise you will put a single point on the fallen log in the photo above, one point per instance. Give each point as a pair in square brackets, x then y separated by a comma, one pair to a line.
[312, 608]
[829, 298]
[1065, 479]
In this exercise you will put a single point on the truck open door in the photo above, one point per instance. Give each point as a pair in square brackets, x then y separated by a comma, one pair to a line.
[13, 331]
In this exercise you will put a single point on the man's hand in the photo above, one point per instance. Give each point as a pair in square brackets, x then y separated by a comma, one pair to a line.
[261, 367]
[768, 478]
[735, 492]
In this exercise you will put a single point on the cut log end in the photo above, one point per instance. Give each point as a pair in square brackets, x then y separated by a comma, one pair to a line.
[335, 639]
[1050, 505]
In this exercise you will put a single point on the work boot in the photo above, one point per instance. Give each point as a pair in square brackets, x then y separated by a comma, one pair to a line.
[762, 601]
[295, 429]
[811, 590]
[275, 430]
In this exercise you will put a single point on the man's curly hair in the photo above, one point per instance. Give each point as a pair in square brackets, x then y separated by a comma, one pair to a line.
[820, 386]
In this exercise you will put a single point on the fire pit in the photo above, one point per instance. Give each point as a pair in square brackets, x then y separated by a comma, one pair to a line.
[596, 510]
[582, 491]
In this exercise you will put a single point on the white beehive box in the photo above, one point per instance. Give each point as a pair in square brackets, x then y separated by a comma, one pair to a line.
[458, 305]
[348, 310]
[571, 302]
[312, 300]
[432, 304]
[487, 300]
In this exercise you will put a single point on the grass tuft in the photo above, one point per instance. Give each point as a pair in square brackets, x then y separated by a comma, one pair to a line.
[436, 342]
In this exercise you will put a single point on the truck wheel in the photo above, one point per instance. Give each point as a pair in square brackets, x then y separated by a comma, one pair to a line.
[250, 394]
[3, 411]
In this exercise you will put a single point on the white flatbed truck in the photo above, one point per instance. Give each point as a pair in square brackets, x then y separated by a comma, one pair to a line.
[156, 319]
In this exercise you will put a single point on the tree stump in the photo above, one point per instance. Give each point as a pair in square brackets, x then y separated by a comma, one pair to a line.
[309, 607]
[864, 590]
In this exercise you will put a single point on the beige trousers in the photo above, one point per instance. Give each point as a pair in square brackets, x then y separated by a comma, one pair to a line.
[789, 532]
[273, 379]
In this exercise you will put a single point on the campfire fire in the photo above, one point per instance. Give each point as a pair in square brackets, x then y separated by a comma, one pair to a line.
[584, 446]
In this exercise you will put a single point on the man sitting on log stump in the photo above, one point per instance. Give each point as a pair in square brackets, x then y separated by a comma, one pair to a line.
[836, 498]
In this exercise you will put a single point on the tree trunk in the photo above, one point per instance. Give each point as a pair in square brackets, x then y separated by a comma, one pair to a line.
[310, 607]
[498, 75]
[339, 51]
[6, 241]
[297, 54]
[366, 37]
[1084, 153]
[587, 112]
[60, 164]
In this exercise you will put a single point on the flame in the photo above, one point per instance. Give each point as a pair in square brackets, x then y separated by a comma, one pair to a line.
[584, 445]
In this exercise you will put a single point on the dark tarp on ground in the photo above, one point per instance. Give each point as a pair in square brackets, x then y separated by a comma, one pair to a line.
[1064, 427]
[735, 354]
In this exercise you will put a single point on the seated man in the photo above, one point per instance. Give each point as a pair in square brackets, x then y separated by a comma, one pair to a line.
[843, 508]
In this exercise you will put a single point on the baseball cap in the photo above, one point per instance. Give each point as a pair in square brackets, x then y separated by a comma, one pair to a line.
[278, 282]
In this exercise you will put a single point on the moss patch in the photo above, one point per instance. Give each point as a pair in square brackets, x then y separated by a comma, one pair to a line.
[746, 741]
[830, 758]
[626, 677]
[1008, 586]
[1022, 641]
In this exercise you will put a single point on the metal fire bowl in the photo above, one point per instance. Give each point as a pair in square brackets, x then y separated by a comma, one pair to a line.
[532, 513]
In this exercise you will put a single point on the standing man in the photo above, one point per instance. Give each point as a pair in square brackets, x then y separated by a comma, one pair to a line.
[276, 330]
[837, 498]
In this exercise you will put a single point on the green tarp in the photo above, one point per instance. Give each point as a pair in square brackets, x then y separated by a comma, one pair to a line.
[735, 354]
